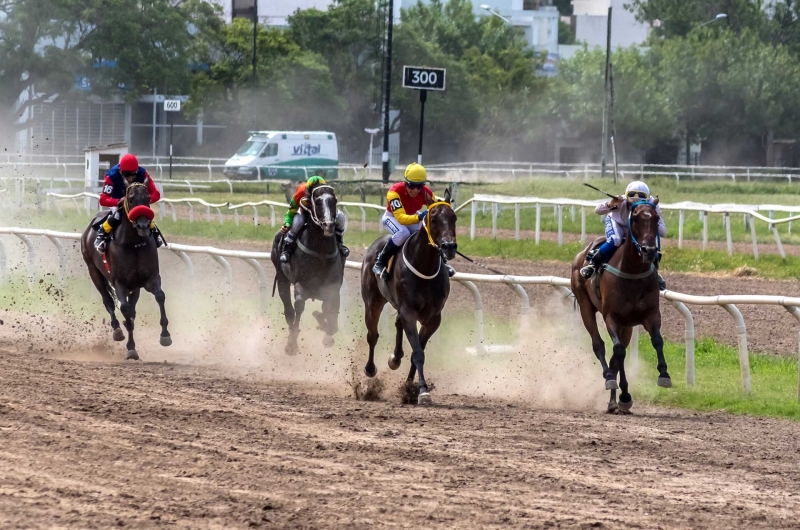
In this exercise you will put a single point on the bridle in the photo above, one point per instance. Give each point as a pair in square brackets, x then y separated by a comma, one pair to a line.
[125, 204]
[630, 227]
[427, 223]
[431, 242]
[312, 210]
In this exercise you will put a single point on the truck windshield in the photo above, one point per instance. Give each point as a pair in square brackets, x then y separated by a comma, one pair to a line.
[251, 148]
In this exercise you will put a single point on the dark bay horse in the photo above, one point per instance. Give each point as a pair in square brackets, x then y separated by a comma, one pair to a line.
[129, 264]
[626, 294]
[316, 270]
[418, 289]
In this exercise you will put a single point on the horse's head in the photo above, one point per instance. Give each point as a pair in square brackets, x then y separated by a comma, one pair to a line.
[643, 221]
[441, 222]
[323, 208]
[136, 195]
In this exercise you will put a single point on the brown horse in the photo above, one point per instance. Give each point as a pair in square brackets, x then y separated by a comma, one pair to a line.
[129, 264]
[417, 288]
[626, 294]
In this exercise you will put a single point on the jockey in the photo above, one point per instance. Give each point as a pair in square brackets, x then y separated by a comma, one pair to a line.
[617, 211]
[405, 213]
[112, 196]
[295, 218]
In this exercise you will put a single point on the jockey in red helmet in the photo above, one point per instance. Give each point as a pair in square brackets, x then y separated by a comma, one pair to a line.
[115, 183]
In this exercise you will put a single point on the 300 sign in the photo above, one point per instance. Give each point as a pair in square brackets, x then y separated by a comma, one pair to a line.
[424, 78]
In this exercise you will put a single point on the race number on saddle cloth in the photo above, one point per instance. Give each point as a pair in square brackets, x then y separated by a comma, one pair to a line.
[406, 208]
[617, 212]
[295, 218]
[112, 195]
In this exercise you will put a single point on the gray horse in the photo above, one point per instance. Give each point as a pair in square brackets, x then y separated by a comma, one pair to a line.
[316, 271]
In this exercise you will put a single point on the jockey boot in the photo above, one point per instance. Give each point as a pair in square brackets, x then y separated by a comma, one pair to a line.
[382, 260]
[289, 246]
[343, 250]
[160, 242]
[662, 285]
[101, 241]
[595, 259]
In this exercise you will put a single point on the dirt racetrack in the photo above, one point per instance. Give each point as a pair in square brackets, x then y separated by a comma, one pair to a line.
[140, 445]
[222, 430]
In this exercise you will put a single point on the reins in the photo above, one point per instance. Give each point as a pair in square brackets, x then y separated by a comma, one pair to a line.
[630, 227]
[431, 242]
[125, 205]
[312, 211]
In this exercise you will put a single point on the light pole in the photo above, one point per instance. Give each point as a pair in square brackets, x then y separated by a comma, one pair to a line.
[718, 17]
[372, 133]
[486, 7]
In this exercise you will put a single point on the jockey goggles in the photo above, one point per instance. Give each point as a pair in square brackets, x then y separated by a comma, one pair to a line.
[415, 185]
[640, 194]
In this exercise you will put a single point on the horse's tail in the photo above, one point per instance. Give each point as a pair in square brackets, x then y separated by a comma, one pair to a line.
[274, 284]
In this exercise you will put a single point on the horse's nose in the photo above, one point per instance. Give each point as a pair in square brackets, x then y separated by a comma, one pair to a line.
[449, 245]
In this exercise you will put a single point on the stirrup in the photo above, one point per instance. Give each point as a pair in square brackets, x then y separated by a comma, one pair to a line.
[344, 251]
[285, 256]
[101, 242]
[588, 271]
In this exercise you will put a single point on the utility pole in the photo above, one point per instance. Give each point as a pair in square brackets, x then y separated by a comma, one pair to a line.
[388, 84]
[605, 99]
[255, 59]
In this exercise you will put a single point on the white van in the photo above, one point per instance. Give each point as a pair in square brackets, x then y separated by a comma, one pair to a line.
[283, 154]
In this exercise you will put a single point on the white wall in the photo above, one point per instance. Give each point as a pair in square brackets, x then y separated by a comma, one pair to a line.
[591, 20]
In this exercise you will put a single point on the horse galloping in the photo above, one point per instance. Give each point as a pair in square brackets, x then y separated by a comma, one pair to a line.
[129, 264]
[316, 272]
[418, 289]
[626, 294]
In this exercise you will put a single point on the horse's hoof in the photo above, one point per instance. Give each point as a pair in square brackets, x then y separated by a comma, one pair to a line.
[370, 373]
[327, 341]
[665, 382]
[424, 398]
[132, 355]
[394, 362]
[165, 340]
[613, 408]
[291, 349]
[611, 384]
[625, 408]
[118, 335]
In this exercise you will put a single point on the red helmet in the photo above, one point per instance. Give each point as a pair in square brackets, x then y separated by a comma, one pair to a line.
[128, 163]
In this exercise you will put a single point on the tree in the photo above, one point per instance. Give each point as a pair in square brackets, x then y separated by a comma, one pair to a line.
[132, 44]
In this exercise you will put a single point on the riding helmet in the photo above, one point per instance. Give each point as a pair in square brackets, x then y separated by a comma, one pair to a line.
[128, 163]
[637, 185]
[415, 173]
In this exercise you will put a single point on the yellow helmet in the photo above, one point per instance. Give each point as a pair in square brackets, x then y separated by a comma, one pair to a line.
[415, 173]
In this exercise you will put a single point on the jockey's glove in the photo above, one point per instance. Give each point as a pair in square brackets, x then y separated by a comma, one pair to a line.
[422, 214]
[284, 229]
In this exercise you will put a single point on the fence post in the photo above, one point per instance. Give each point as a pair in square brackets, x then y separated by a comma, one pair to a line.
[255, 216]
[494, 220]
[727, 219]
[186, 261]
[31, 259]
[583, 225]
[538, 221]
[753, 235]
[705, 230]
[778, 241]
[474, 211]
[680, 228]
[62, 261]
[516, 221]
[560, 225]
[262, 283]
[688, 336]
[741, 332]
[476, 298]
[3, 264]
[634, 347]
[191, 212]
[795, 311]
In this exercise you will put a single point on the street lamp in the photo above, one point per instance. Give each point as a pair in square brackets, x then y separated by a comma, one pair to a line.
[486, 7]
[718, 17]
[372, 133]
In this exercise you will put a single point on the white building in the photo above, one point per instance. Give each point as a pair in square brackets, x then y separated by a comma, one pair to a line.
[591, 21]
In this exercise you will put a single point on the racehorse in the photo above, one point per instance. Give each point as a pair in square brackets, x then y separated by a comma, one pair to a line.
[417, 288]
[626, 294]
[129, 264]
[316, 271]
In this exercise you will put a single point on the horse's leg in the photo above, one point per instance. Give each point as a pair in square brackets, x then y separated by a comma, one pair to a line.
[294, 331]
[285, 292]
[154, 287]
[417, 354]
[589, 317]
[397, 355]
[127, 305]
[99, 282]
[616, 332]
[330, 311]
[654, 329]
[373, 306]
[625, 399]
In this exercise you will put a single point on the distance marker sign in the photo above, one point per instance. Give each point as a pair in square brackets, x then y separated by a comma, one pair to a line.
[423, 78]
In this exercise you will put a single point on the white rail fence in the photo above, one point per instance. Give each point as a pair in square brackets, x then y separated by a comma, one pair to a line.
[750, 213]
[515, 283]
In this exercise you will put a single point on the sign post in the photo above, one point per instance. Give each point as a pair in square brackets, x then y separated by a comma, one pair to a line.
[171, 105]
[423, 79]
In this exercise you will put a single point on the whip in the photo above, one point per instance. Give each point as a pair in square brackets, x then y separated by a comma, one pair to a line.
[598, 189]
[481, 265]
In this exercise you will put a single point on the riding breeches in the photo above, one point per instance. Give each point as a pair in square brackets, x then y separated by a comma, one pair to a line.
[615, 232]
[112, 221]
[300, 220]
[399, 232]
